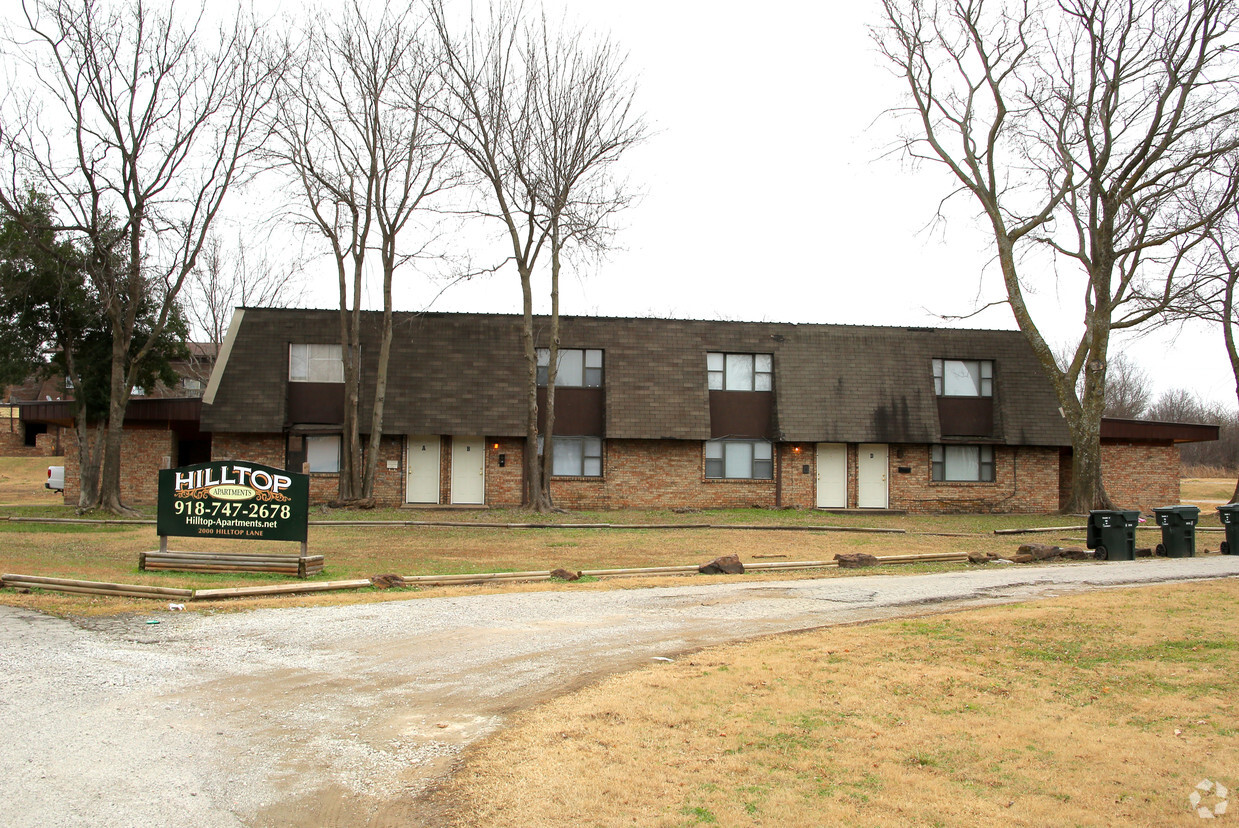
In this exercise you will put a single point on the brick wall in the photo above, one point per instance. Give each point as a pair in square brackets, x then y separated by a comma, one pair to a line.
[1025, 480]
[799, 474]
[13, 440]
[267, 449]
[1141, 475]
[503, 485]
[660, 474]
[143, 452]
[73, 469]
[389, 482]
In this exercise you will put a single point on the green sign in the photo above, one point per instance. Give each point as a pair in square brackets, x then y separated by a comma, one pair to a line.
[234, 499]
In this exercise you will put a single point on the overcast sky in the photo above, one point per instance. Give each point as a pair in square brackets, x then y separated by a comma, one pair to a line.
[770, 193]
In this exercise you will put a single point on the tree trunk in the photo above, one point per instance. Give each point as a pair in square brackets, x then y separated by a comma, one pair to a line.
[1083, 416]
[1088, 490]
[88, 458]
[380, 383]
[114, 430]
[546, 502]
[350, 353]
[531, 491]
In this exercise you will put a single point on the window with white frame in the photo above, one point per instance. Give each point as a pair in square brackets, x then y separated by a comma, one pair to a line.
[578, 368]
[963, 377]
[322, 452]
[191, 384]
[739, 460]
[576, 456]
[739, 372]
[315, 363]
[964, 464]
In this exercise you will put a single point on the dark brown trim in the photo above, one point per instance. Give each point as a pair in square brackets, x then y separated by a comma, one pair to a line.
[966, 416]
[1155, 432]
[163, 409]
[742, 414]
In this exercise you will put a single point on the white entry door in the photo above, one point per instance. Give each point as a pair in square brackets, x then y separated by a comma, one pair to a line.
[422, 469]
[872, 472]
[468, 470]
[832, 475]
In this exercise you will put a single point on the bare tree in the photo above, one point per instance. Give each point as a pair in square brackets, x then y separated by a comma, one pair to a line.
[583, 121]
[353, 133]
[231, 276]
[1128, 389]
[1079, 128]
[1213, 299]
[137, 129]
[542, 117]
[1128, 386]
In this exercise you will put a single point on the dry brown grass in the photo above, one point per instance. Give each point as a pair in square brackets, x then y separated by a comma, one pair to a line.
[1206, 492]
[1052, 713]
[110, 553]
[1206, 471]
[22, 479]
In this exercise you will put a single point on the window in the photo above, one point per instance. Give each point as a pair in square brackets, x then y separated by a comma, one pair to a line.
[963, 377]
[315, 363]
[68, 383]
[739, 372]
[191, 384]
[739, 460]
[138, 391]
[578, 368]
[577, 456]
[322, 452]
[963, 464]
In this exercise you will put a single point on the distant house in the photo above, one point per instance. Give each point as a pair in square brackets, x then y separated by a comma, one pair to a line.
[659, 413]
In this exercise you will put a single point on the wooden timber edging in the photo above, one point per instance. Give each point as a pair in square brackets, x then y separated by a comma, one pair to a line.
[165, 593]
[95, 587]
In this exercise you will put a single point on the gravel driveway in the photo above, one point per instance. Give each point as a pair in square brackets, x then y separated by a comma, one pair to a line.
[344, 715]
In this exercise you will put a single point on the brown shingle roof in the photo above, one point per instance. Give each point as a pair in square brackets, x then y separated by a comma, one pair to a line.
[464, 374]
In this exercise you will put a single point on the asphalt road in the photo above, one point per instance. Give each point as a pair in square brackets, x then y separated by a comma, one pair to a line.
[344, 715]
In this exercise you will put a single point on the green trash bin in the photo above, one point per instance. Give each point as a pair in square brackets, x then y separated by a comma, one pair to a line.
[1178, 530]
[1230, 519]
[1112, 534]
